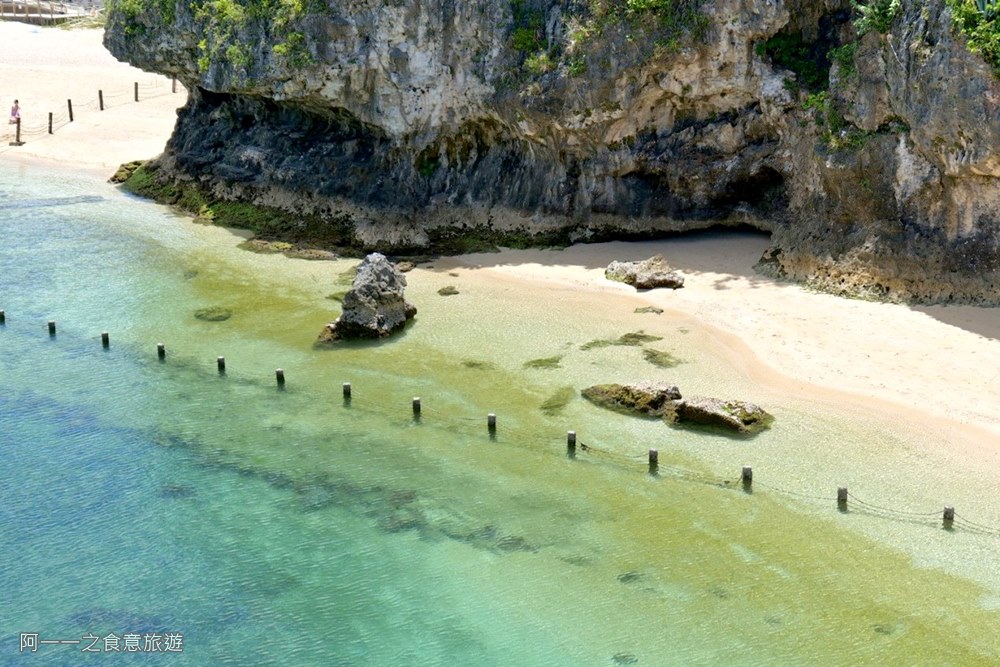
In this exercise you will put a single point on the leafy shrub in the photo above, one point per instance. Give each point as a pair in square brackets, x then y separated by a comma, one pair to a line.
[789, 50]
[844, 57]
[876, 15]
[979, 21]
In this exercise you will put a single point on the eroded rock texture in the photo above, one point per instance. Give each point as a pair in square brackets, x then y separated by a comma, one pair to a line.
[375, 306]
[412, 124]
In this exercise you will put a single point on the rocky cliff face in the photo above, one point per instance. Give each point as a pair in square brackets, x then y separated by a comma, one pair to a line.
[410, 124]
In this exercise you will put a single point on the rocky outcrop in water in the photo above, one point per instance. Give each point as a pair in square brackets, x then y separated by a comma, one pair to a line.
[375, 306]
[738, 416]
[872, 160]
[658, 399]
[643, 399]
[645, 274]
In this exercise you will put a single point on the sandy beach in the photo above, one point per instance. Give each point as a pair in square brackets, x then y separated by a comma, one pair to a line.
[931, 367]
[43, 67]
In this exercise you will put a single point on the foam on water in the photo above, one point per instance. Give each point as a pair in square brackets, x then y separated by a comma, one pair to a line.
[285, 527]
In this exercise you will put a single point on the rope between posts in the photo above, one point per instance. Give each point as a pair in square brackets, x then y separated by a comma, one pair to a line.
[794, 494]
[972, 525]
[439, 412]
[61, 118]
[888, 509]
[524, 438]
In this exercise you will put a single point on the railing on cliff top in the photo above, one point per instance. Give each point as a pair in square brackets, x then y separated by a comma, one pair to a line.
[22, 129]
[843, 500]
[47, 12]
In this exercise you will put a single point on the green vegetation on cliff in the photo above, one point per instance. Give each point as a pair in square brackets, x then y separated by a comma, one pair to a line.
[138, 16]
[876, 15]
[808, 61]
[225, 20]
[979, 21]
[658, 26]
[225, 24]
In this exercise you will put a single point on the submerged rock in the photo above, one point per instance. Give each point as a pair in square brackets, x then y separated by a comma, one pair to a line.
[646, 274]
[375, 306]
[645, 399]
[213, 314]
[736, 416]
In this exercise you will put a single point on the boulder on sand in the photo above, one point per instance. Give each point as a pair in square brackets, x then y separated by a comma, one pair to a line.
[375, 306]
[646, 274]
[736, 416]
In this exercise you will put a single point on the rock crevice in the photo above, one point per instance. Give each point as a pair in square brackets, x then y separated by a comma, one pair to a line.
[872, 160]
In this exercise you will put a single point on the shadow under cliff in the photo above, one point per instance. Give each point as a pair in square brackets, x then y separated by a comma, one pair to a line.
[730, 252]
[981, 320]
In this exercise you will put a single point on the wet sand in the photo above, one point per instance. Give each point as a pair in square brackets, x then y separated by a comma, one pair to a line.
[922, 367]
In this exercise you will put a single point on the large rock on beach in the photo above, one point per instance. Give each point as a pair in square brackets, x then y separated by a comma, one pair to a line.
[647, 399]
[646, 274]
[736, 416]
[375, 306]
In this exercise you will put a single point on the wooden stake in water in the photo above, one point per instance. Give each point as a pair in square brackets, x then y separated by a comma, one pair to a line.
[654, 462]
[161, 351]
[571, 444]
[416, 408]
[491, 424]
[3, 317]
[105, 340]
[279, 375]
[948, 518]
[52, 327]
[347, 393]
[842, 498]
[221, 363]
[747, 479]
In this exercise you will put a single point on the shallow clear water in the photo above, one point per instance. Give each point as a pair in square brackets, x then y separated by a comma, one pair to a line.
[287, 528]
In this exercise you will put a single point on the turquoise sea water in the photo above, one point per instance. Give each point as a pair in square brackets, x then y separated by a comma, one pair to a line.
[285, 527]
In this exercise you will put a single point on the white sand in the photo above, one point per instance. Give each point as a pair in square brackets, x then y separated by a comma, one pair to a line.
[44, 67]
[931, 367]
[935, 368]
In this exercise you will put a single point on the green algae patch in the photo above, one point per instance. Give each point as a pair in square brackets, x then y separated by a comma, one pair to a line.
[301, 230]
[213, 314]
[337, 296]
[347, 277]
[633, 339]
[479, 365]
[560, 398]
[637, 338]
[448, 290]
[125, 171]
[265, 247]
[649, 309]
[547, 363]
[660, 358]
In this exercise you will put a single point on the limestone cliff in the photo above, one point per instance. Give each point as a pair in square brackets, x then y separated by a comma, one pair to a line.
[410, 124]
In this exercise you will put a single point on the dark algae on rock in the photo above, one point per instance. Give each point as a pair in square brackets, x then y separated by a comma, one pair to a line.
[863, 136]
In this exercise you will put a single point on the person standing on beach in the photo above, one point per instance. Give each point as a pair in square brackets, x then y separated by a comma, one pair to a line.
[15, 113]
